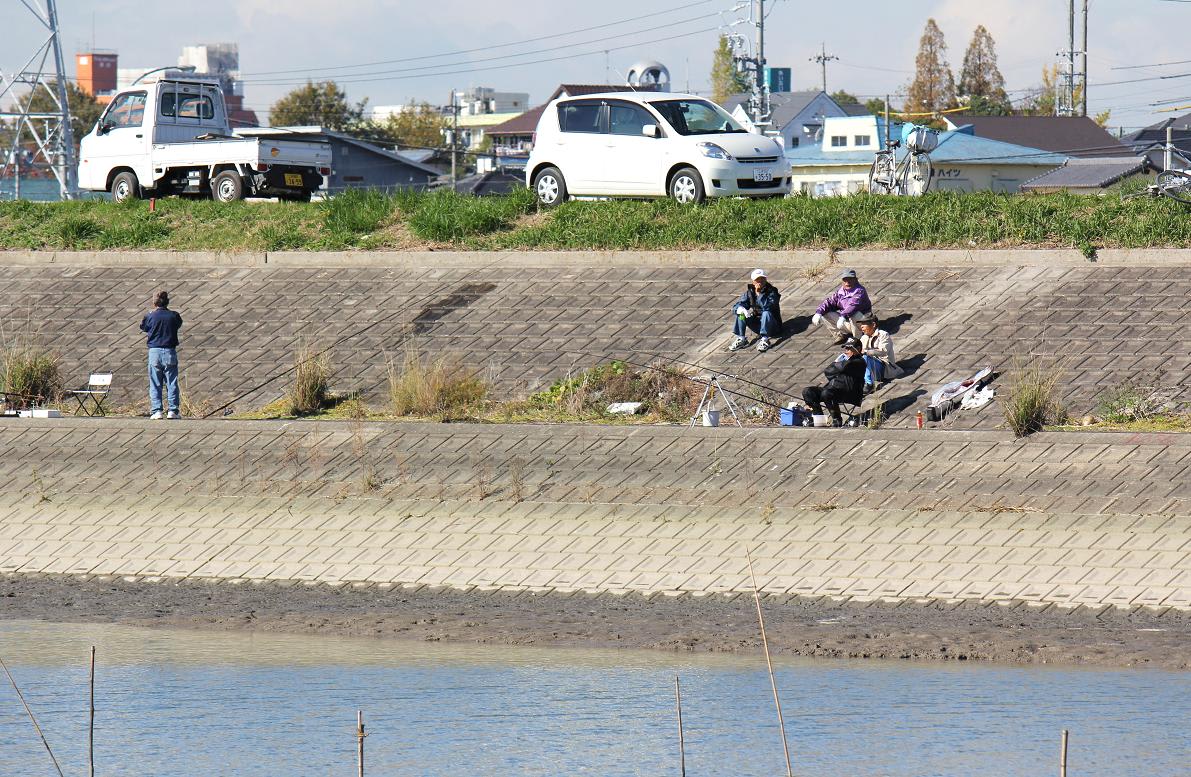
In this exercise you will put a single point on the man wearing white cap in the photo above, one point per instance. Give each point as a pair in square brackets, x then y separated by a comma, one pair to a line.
[758, 309]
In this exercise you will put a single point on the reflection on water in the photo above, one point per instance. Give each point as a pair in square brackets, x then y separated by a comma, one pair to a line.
[203, 703]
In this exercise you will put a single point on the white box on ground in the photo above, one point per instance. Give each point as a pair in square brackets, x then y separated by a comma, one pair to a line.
[41, 412]
[625, 408]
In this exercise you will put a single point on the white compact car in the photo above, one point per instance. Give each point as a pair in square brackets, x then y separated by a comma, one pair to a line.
[650, 144]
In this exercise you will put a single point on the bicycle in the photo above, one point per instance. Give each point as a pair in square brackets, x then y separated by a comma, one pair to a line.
[912, 175]
[1175, 184]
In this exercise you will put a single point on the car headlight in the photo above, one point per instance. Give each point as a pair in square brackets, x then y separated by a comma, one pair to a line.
[713, 150]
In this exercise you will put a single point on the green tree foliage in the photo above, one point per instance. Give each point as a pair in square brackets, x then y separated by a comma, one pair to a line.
[726, 80]
[981, 78]
[844, 98]
[933, 87]
[420, 125]
[979, 105]
[323, 104]
[84, 110]
[876, 106]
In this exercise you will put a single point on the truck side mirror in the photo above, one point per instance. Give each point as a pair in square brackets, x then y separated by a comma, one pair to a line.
[104, 128]
[651, 131]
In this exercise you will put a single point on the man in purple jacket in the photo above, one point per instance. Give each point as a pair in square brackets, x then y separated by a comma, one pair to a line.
[841, 306]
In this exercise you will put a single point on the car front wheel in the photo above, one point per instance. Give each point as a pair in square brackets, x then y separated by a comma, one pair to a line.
[550, 187]
[686, 186]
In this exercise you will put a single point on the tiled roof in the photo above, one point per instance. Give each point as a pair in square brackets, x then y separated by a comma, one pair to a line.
[1068, 135]
[1088, 173]
[953, 147]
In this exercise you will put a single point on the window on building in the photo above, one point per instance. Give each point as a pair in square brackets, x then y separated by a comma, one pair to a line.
[794, 141]
[580, 117]
[861, 140]
[838, 141]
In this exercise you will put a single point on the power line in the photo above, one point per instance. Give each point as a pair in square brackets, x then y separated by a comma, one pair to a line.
[494, 46]
[348, 77]
[1157, 64]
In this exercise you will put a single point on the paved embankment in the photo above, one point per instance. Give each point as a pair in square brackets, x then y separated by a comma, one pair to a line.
[526, 319]
[1099, 519]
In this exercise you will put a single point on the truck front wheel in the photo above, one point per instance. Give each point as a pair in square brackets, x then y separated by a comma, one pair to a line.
[125, 187]
[227, 187]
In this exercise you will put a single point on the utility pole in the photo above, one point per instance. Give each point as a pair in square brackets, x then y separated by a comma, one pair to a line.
[454, 135]
[1083, 54]
[1071, 57]
[823, 58]
[754, 66]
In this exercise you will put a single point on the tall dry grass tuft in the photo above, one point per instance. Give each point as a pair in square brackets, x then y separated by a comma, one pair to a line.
[424, 387]
[312, 373]
[1031, 400]
[30, 370]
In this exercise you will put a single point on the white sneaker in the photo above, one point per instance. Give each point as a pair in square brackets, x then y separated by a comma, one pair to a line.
[764, 344]
[173, 416]
[737, 344]
[156, 416]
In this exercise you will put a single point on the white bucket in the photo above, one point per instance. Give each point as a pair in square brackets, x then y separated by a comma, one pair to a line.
[821, 420]
[711, 418]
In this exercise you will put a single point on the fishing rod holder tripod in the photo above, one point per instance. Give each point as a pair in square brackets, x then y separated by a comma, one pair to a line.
[713, 385]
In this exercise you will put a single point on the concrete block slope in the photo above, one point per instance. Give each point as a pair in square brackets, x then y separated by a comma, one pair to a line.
[1100, 519]
[527, 320]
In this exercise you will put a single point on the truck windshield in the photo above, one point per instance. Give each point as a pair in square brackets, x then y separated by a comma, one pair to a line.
[696, 117]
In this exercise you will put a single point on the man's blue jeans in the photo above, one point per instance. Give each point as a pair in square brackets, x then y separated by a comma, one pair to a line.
[874, 369]
[763, 325]
[163, 368]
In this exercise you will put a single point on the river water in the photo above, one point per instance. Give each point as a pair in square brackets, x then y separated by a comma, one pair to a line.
[177, 702]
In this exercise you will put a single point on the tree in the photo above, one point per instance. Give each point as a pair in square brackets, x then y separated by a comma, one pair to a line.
[84, 110]
[1043, 101]
[323, 104]
[876, 106]
[1102, 118]
[980, 76]
[979, 105]
[844, 98]
[418, 125]
[726, 80]
[933, 87]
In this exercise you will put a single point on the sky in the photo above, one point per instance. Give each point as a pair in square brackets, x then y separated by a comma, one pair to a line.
[449, 44]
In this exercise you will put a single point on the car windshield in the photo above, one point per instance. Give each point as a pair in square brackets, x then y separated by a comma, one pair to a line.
[696, 117]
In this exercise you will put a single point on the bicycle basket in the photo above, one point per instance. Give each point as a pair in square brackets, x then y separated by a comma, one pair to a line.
[922, 139]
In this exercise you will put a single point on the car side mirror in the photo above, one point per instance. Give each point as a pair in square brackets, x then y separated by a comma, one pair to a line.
[651, 130]
[105, 128]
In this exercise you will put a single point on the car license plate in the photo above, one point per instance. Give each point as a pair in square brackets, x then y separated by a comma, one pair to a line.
[762, 176]
[293, 179]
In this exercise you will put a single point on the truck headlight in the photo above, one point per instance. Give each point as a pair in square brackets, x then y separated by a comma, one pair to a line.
[713, 150]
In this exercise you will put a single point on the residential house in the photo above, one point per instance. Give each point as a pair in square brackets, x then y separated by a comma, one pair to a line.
[840, 163]
[355, 163]
[796, 118]
[513, 140]
[1151, 141]
[1091, 175]
[1076, 136]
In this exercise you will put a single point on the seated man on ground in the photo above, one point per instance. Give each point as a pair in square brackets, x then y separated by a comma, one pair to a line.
[877, 349]
[758, 309]
[838, 311]
[845, 381]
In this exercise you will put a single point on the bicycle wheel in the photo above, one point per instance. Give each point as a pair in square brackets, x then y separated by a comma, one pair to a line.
[1176, 185]
[918, 174]
[880, 175]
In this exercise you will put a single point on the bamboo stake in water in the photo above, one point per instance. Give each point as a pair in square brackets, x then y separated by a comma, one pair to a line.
[91, 721]
[1063, 756]
[681, 743]
[32, 719]
[777, 702]
[360, 739]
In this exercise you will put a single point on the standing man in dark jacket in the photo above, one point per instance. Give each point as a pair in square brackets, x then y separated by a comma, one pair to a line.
[162, 325]
[845, 383]
[759, 309]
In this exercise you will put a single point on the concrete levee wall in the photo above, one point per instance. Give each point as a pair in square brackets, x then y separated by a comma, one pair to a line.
[1095, 520]
[527, 319]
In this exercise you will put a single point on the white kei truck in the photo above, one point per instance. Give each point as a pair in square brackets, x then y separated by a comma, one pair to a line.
[171, 136]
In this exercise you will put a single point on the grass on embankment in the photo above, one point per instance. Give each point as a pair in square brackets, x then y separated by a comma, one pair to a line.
[364, 220]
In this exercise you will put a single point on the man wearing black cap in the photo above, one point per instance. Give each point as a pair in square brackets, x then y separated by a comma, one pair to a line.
[845, 383]
[837, 311]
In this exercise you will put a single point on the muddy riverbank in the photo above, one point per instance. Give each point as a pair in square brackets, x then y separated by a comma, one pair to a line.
[803, 627]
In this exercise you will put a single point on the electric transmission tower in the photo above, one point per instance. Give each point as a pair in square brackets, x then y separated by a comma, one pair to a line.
[41, 72]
